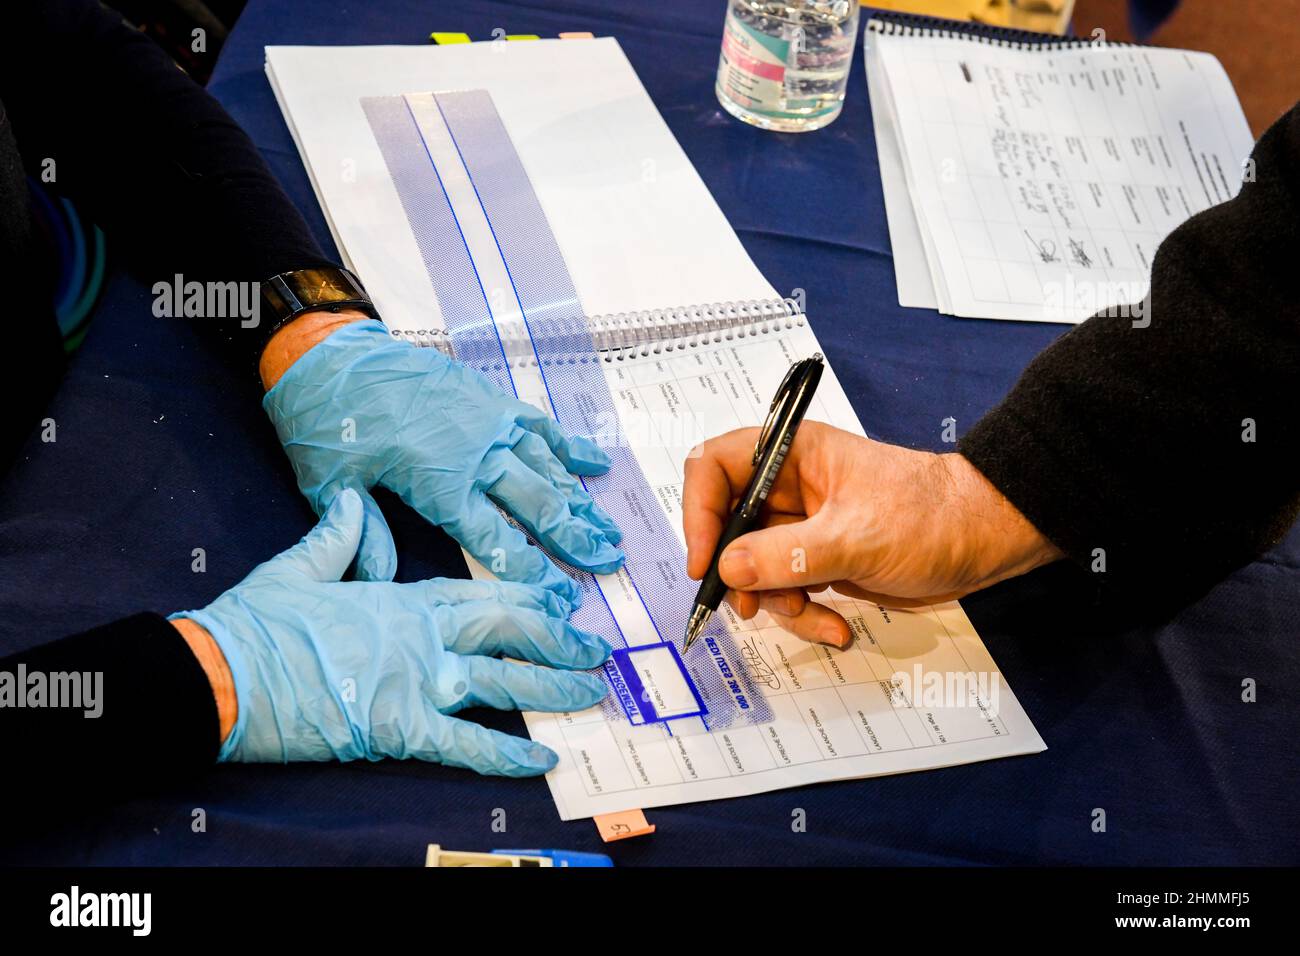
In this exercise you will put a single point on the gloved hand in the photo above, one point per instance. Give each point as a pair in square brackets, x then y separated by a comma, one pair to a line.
[327, 670]
[362, 409]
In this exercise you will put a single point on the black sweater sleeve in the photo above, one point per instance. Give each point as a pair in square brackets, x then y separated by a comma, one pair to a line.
[1168, 451]
[172, 179]
[135, 709]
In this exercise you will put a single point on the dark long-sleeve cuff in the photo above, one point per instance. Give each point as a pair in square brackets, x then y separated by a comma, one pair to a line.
[107, 713]
[1156, 448]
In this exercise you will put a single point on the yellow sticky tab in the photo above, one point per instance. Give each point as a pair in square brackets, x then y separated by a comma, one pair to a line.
[442, 39]
[577, 36]
[522, 36]
[621, 826]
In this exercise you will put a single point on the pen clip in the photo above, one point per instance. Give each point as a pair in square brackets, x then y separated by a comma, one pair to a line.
[783, 395]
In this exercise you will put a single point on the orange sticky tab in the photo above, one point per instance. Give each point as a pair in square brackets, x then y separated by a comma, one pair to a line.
[621, 826]
[577, 36]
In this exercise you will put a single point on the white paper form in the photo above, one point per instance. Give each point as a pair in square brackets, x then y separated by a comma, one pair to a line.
[619, 193]
[646, 234]
[1044, 178]
[916, 689]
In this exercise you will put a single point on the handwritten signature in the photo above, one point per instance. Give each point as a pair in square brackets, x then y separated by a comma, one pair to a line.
[1046, 248]
[759, 669]
[1079, 254]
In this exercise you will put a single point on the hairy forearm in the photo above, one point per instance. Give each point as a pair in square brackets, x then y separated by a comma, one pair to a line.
[1000, 542]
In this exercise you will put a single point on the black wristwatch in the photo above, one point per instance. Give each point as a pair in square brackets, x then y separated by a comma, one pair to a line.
[289, 294]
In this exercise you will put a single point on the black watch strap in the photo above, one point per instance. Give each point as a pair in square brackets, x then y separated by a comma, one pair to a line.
[289, 294]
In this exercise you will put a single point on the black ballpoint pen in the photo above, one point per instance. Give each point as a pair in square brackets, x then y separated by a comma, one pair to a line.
[774, 440]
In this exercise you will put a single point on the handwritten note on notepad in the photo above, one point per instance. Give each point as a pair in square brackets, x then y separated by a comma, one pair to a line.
[1035, 181]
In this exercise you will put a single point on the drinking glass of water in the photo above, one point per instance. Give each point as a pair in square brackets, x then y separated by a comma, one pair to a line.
[785, 63]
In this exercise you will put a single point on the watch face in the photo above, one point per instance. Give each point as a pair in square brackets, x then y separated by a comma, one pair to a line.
[302, 290]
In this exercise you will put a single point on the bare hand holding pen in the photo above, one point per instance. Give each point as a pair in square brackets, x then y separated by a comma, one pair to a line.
[887, 524]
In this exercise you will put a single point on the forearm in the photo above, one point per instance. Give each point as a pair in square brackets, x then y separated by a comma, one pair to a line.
[991, 536]
[1157, 453]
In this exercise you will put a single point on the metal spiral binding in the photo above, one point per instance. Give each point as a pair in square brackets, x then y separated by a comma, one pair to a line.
[622, 335]
[911, 24]
[438, 339]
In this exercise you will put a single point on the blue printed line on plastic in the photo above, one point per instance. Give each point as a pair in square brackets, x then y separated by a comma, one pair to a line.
[576, 383]
[432, 219]
[541, 367]
[570, 368]
[449, 265]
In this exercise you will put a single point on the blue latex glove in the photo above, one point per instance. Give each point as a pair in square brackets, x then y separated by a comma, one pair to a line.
[325, 670]
[362, 409]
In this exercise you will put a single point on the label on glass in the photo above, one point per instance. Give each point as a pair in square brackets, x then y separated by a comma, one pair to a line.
[751, 70]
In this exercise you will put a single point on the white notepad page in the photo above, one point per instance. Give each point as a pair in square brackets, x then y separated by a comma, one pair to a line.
[638, 230]
[859, 712]
[1042, 179]
[916, 286]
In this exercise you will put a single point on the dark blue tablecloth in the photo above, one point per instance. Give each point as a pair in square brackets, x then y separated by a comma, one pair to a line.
[159, 453]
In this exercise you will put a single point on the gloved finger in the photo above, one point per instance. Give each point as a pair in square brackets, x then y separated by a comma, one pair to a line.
[582, 456]
[485, 628]
[460, 590]
[460, 743]
[327, 550]
[509, 685]
[377, 556]
[502, 548]
[533, 451]
[544, 511]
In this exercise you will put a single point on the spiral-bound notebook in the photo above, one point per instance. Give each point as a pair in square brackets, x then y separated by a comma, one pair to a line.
[536, 219]
[624, 337]
[1032, 177]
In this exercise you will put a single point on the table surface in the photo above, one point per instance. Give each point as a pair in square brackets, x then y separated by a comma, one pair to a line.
[159, 453]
